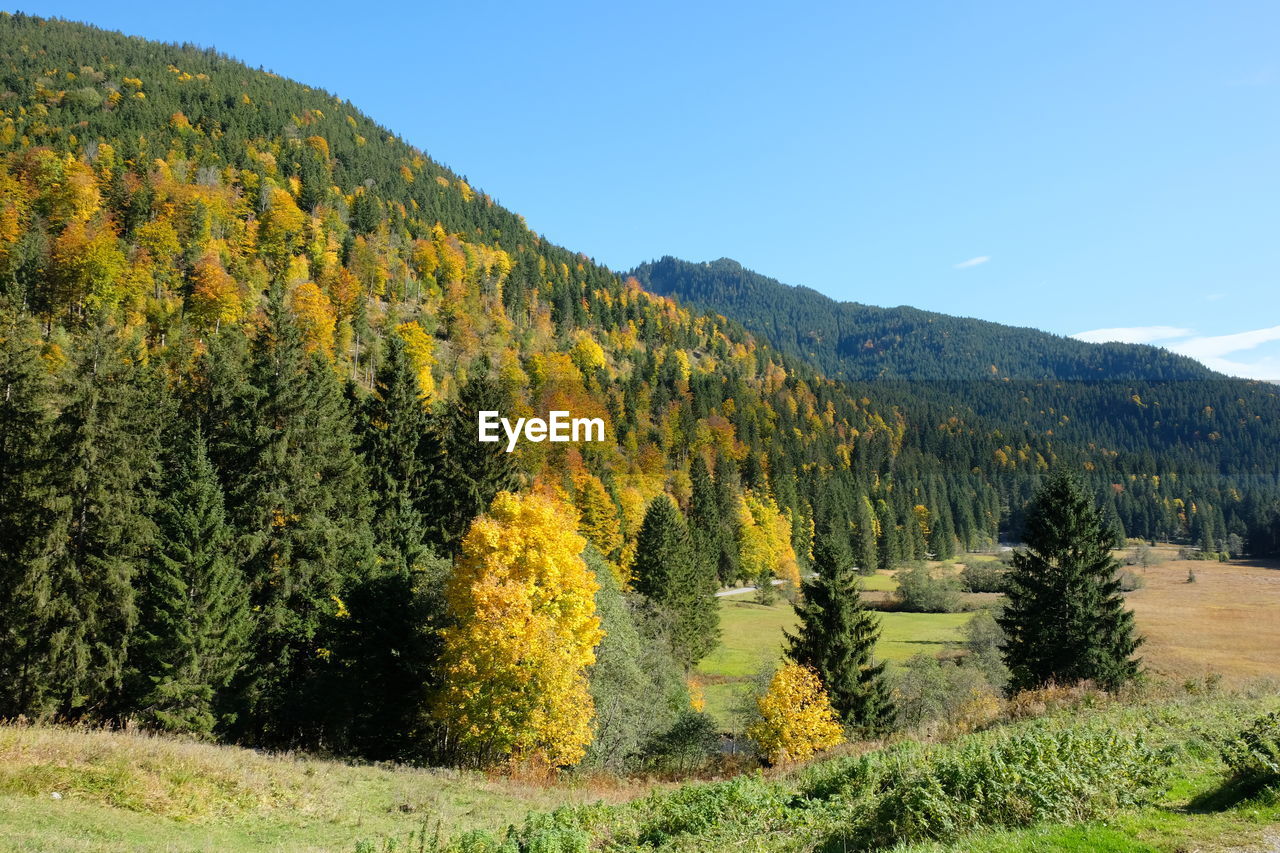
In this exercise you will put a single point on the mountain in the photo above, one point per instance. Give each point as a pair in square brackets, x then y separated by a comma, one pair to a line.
[848, 340]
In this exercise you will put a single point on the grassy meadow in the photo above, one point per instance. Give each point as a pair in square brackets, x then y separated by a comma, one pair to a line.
[751, 641]
[77, 790]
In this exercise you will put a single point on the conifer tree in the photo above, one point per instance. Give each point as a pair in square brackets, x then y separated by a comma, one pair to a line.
[837, 638]
[194, 617]
[394, 428]
[681, 586]
[107, 442]
[297, 496]
[469, 473]
[30, 524]
[864, 555]
[1066, 619]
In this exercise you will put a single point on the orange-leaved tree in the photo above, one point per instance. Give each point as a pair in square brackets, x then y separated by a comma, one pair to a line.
[796, 717]
[523, 630]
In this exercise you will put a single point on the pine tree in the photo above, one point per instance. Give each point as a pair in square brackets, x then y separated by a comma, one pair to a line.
[194, 617]
[682, 587]
[394, 428]
[298, 500]
[469, 473]
[865, 556]
[30, 523]
[704, 512]
[1066, 619]
[837, 638]
[107, 442]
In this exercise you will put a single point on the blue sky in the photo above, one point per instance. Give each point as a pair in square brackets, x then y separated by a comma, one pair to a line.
[1086, 167]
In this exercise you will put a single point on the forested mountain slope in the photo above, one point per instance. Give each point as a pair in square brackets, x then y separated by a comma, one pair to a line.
[242, 327]
[849, 340]
[1150, 409]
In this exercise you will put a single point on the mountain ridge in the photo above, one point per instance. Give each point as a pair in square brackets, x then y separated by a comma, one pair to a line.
[829, 332]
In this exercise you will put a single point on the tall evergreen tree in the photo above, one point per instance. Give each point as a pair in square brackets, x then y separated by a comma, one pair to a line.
[394, 430]
[864, 541]
[194, 620]
[30, 523]
[297, 497]
[837, 638]
[1066, 619]
[683, 587]
[469, 473]
[107, 441]
[705, 529]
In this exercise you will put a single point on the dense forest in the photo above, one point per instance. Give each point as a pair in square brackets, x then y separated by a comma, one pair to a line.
[1152, 413]
[244, 334]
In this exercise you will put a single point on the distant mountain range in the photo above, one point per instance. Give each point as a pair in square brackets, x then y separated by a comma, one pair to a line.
[849, 340]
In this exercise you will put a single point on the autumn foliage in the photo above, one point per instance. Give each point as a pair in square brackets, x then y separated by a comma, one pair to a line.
[796, 718]
[524, 630]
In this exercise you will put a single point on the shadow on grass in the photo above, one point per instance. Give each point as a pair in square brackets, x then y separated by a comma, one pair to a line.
[1233, 793]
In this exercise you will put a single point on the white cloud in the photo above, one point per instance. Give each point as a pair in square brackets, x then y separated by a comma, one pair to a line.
[1209, 350]
[972, 262]
[1133, 334]
[1218, 345]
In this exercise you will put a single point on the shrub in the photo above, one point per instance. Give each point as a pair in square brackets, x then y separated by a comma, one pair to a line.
[983, 639]
[693, 809]
[689, 745]
[1045, 774]
[921, 591]
[942, 694]
[1129, 581]
[796, 717]
[984, 576]
[1254, 754]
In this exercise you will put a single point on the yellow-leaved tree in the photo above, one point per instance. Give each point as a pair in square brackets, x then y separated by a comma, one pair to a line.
[523, 630]
[796, 717]
[764, 545]
[421, 350]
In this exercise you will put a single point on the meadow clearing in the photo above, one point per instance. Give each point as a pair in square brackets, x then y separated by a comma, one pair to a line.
[1226, 623]
[752, 641]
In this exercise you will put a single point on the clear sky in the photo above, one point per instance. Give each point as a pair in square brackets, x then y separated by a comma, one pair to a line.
[1101, 167]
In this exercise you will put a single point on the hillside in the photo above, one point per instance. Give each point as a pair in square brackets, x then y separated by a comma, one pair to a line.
[1144, 405]
[849, 340]
[1139, 777]
[244, 336]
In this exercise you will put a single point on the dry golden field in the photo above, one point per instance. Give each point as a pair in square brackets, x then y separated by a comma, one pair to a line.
[1227, 622]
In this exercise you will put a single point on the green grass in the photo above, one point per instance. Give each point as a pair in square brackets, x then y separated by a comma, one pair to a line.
[751, 640]
[879, 582]
[121, 791]
[1139, 777]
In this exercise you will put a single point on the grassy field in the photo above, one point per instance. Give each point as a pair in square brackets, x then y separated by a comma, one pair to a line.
[752, 640]
[1227, 622]
[1136, 776]
[122, 792]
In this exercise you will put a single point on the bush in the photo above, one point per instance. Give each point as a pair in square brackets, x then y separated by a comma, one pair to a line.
[921, 591]
[693, 809]
[1129, 581]
[1254, 754]
[983, 639]
[796, 717]
[1045, 774]
[942, 694]
[689, 745]
[984, 576]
